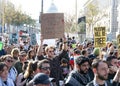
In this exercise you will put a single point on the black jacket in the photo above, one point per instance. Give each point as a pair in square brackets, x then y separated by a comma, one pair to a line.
[55, 69]
[77, 79]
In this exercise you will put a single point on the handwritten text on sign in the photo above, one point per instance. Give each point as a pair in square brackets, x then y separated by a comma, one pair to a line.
[99, 37]
[52, 25]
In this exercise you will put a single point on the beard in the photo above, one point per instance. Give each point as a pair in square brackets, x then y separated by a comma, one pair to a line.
[102, 77]
[83, 72]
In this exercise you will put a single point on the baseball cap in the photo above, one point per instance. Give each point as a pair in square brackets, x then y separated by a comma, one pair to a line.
[41, 78]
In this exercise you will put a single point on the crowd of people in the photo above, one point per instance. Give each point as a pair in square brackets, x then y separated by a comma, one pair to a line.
[68, 63]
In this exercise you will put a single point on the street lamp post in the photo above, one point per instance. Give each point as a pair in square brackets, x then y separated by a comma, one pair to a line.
[41, 11]
[76, 19]
[41, 6]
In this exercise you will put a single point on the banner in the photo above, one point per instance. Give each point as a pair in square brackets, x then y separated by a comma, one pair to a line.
[99, 37]
[52, 25]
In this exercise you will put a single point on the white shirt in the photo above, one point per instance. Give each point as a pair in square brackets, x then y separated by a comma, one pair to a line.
[13, 73]
[9, 82]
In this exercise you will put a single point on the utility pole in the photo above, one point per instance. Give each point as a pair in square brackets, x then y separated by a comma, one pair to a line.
[41, 11]
[41, 6]
[76, 21]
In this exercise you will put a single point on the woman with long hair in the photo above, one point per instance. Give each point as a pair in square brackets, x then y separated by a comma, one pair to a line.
[4, 79]
[9, 61]
[31, 55]
[30, 71]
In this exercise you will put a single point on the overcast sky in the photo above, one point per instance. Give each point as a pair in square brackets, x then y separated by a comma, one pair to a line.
[33, 7]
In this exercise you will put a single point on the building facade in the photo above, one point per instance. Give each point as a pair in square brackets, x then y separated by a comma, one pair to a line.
[110, 21]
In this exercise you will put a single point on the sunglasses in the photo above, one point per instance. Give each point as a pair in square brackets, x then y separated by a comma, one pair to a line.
[26, 62]
[45, 68]
[9, 60]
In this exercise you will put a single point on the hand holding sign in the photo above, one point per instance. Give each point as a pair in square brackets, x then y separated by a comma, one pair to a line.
[41, 39]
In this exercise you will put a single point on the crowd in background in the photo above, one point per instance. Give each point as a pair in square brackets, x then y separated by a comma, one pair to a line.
[67, 63]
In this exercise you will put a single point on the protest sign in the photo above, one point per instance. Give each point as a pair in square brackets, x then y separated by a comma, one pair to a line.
[99, 37]
[52, 25]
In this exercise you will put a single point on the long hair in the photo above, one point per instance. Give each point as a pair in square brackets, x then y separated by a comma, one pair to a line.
[2, 65]
[32, 66]
[29, 56]
[15, 51]
[3, 58]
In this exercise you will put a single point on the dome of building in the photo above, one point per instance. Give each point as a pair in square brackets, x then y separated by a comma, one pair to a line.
[53, 8]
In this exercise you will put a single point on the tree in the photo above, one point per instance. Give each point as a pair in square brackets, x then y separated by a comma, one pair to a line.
[93, 15]
[9, 13]
[70, 24]
[0, 12]
[14, 16]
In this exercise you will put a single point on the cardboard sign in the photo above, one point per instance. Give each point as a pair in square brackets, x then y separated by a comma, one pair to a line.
[52, 25]
[99, 37]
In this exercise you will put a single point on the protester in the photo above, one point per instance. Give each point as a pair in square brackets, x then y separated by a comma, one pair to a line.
[31, 55]
[70, 61]
[41, 79]
[84, 53]
[75, 54]
[89, 48]
[15, 53]
[80, 75]
[22, 58]
[3, 51]
[64, 67]
[4, 79]
[21, 81]
[31, 71]
[44, 67]
[101, 70]
[12, 72]
[73, 41]
[113, 67]
[56, 71]
[40, 54]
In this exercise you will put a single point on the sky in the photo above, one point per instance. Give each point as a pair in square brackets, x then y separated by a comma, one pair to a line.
[33, 7]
